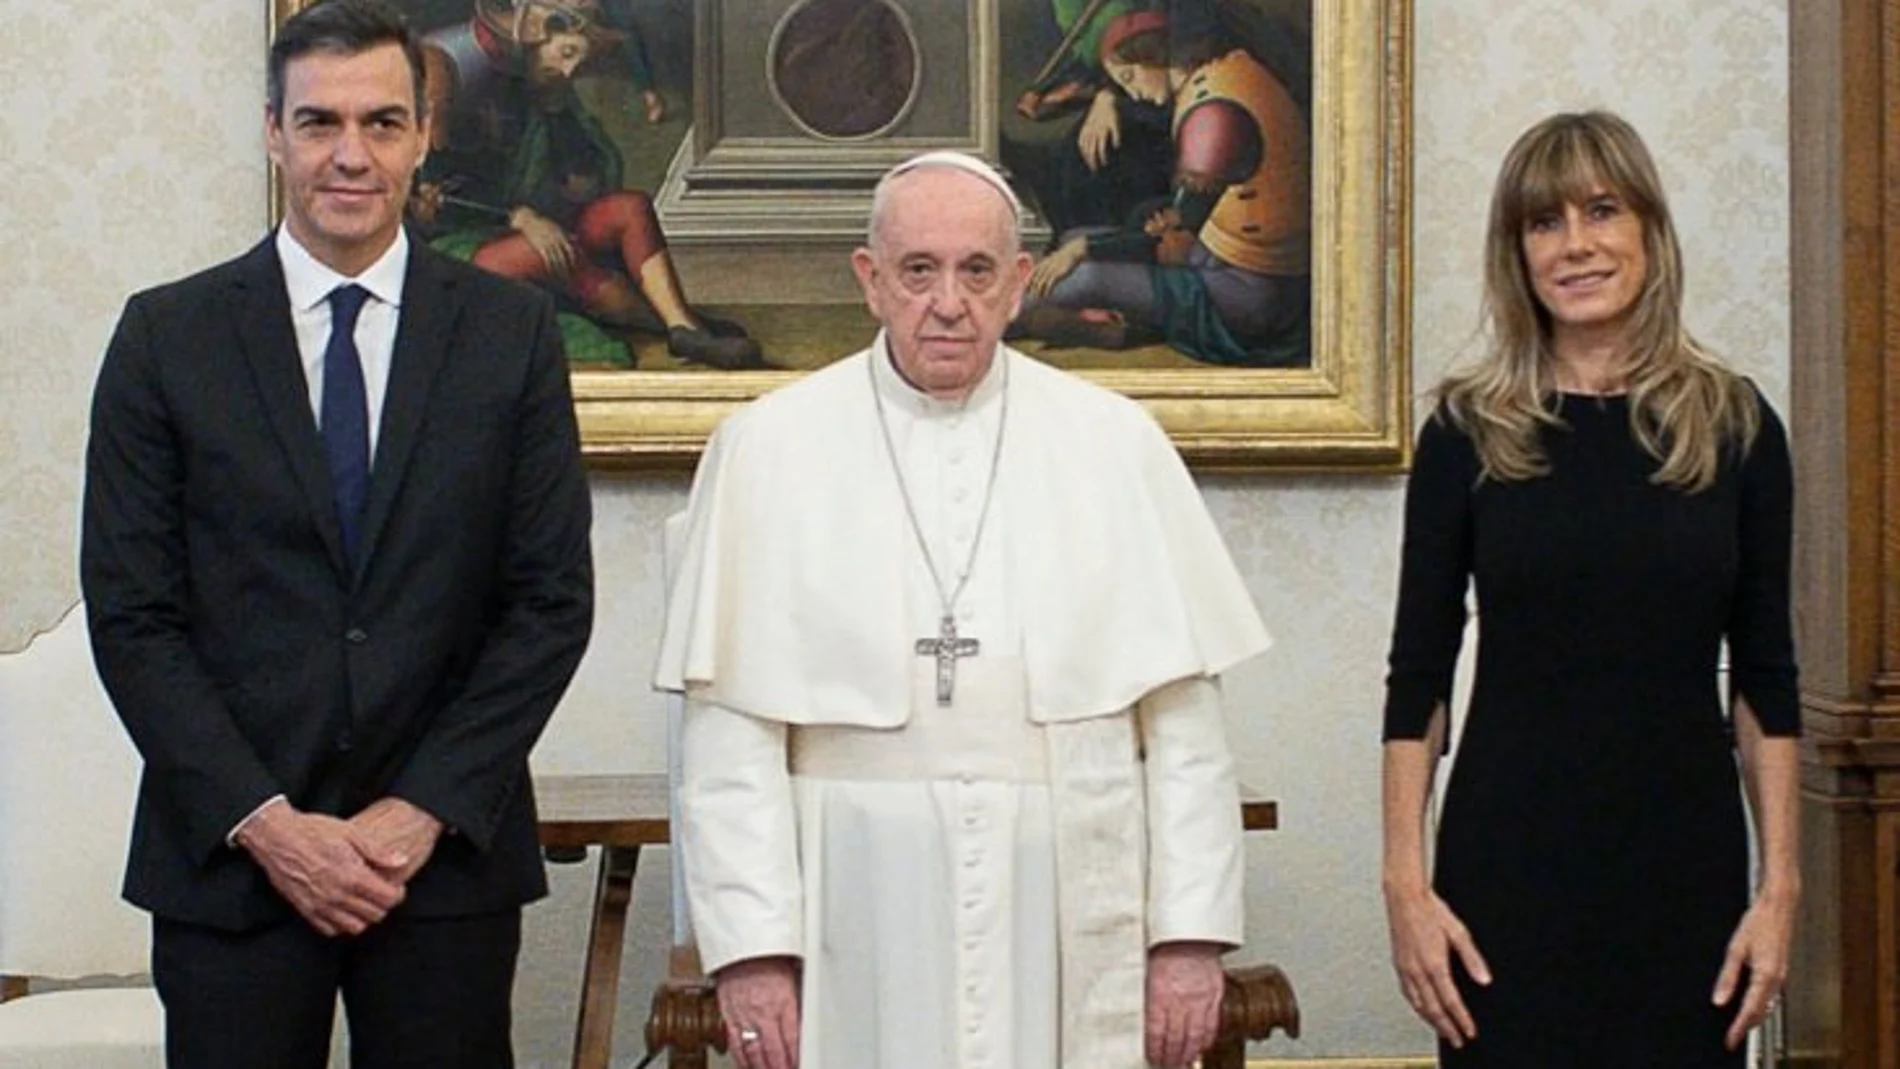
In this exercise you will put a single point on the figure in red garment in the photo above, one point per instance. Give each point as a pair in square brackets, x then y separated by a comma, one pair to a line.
[519, 167]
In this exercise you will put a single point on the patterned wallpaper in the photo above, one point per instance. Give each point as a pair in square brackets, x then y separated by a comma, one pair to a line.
[1706, 85]
[136, 158]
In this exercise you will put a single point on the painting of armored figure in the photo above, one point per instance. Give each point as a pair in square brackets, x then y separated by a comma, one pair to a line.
[687, 179]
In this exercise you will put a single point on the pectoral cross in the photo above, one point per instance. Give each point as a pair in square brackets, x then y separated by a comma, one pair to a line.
[946, 648]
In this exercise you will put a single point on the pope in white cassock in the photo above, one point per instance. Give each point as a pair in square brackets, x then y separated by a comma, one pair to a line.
[949, 624]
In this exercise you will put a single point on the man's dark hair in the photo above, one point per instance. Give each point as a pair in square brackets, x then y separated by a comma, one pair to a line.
[342, 27]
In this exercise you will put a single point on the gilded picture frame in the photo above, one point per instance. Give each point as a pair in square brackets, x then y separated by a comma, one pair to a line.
[738, 241]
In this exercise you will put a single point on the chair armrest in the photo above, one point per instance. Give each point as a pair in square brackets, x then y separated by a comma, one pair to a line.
[684, 1020]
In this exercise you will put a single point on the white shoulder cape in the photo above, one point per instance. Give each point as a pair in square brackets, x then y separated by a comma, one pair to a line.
[789, 603]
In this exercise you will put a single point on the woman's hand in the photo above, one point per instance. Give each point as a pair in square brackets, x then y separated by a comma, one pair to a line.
[1760, 945]
[1425, 935]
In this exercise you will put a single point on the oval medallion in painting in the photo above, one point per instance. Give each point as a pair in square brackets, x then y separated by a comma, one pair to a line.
[844, 70]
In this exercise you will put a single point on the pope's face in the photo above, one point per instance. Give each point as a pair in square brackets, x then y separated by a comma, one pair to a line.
[944, 277]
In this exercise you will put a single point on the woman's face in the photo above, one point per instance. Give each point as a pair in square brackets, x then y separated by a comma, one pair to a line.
[1587, 262]
[1142, 82]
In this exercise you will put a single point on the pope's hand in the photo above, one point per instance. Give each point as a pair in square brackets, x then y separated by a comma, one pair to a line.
[759, 1000]
[1184, 993]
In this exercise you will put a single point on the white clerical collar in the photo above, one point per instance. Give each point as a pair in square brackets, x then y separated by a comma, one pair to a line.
[920, 405]
[310, 281]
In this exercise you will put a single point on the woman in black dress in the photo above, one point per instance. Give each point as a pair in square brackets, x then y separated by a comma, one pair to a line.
[1621, 504]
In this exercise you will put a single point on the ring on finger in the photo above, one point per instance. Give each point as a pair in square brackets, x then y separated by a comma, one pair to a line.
[748, 1035]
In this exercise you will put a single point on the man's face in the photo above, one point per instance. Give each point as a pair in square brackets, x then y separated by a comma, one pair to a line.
[554, 61]
[942, 279]
[347, 143]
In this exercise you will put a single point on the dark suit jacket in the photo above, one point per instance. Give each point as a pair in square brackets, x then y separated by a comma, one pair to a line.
[246, 657]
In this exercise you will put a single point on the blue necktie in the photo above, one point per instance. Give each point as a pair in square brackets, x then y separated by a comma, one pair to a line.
[345, 419]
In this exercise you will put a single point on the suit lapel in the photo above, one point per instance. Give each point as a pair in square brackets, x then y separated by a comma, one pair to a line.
[430, 307]
[262, 307]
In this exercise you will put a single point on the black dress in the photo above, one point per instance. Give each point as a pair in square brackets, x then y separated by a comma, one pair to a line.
[1593, 835]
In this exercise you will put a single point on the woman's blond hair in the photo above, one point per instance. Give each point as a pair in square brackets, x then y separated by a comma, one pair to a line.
[1686, 408]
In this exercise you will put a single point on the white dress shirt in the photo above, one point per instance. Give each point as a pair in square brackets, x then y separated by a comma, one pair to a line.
[310, 284]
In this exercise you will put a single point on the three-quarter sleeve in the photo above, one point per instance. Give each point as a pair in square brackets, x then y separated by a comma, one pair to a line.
[1760, 639]
[1434, 571]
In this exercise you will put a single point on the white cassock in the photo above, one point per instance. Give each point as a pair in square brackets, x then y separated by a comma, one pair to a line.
[973, 885]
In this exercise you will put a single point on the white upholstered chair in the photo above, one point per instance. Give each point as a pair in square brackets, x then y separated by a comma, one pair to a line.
[684, 1019]
[67, 776]
[672, 544]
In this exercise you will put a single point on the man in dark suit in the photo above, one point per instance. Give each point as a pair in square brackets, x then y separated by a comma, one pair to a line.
[336, 561]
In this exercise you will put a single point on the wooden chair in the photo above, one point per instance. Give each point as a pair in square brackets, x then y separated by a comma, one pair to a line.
[685, 1019]
[67, 775]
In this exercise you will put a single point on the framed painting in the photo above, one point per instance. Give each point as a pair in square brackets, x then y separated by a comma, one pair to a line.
[1217, 195]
